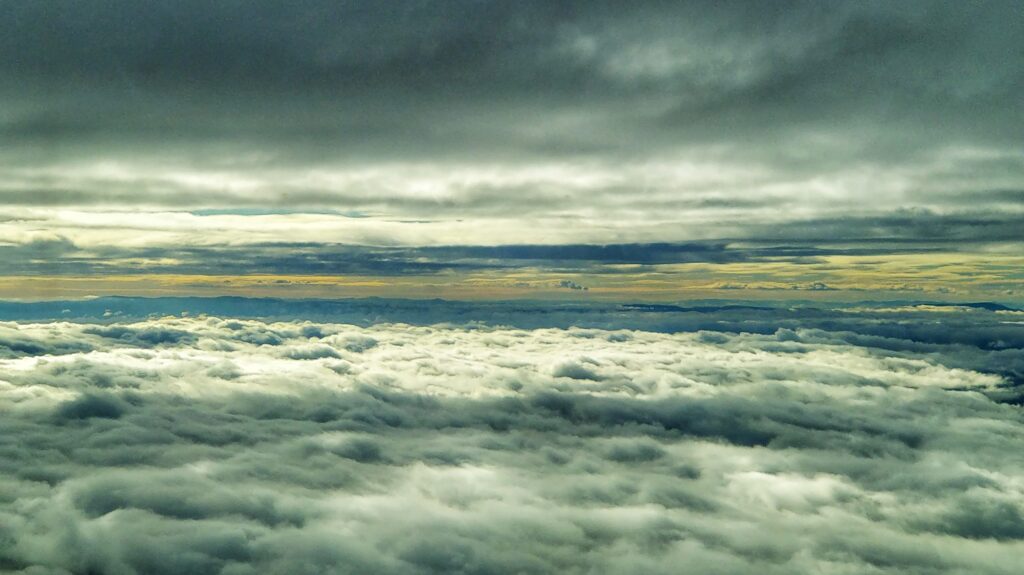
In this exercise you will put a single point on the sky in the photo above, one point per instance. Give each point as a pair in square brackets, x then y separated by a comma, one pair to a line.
[451, 287]
[605, 151]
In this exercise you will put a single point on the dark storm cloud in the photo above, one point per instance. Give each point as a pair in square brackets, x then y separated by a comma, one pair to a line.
[312, 72]
[912, 64]
[432, 79]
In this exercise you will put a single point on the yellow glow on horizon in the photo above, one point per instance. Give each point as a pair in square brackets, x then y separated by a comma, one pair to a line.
[946, 275]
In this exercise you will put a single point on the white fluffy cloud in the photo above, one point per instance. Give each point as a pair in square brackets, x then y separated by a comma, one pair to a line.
[207, 445]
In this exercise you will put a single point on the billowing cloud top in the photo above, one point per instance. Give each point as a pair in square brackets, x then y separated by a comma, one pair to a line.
[235, 446]
[345, 139]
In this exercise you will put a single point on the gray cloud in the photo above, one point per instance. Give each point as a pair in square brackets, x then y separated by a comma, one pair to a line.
[569, 284]
[268, 86]
[441, 126]
[800, 243]
[439, 449]
[791, 148]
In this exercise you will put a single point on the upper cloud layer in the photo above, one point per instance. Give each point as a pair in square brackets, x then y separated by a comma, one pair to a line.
[238, 446]
[464, 123]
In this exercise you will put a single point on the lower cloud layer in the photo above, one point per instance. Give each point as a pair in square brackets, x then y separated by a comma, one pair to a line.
[228, 446]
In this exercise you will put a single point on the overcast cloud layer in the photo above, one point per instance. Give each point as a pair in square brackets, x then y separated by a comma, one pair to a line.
[206, 445]
[311, 137]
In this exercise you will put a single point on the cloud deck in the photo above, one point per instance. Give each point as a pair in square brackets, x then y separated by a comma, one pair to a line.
[210, 445]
